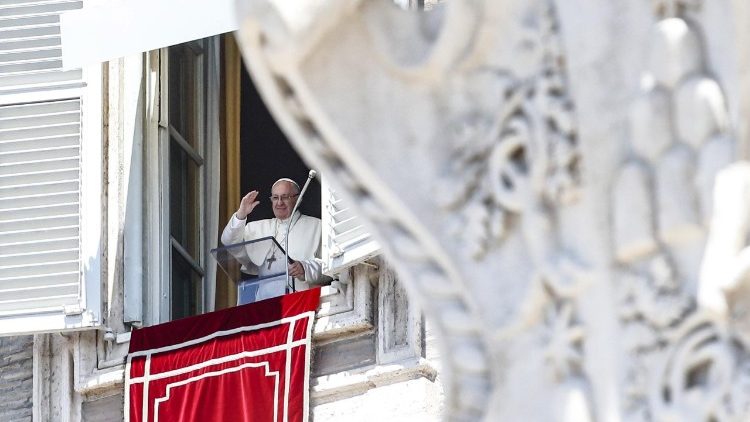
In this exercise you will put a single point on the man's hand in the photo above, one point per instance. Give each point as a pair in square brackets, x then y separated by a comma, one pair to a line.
[247, 204]
[296, 270]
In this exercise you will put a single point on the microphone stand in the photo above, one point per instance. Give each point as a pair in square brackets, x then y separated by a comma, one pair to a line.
[310, 176]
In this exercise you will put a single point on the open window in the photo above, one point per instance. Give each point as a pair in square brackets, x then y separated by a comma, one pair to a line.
[182, 135]
[181, 187]
[248, 151]
[50, 176]
[267, 155]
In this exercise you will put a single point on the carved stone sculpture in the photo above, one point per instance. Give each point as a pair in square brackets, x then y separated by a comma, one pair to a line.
[541, 175]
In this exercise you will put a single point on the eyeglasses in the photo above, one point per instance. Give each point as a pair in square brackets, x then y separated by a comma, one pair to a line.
[285, 198]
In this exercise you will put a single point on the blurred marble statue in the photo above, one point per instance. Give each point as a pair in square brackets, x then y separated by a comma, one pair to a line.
[559, 185]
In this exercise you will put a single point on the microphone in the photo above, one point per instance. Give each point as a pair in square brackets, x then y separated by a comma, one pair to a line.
[311, 175]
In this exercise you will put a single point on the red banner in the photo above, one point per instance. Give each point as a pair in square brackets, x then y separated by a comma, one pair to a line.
[248, 363]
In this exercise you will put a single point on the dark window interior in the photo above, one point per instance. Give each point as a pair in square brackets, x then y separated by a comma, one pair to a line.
[267, 155]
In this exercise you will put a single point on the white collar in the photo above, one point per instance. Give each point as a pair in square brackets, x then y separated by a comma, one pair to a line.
[296, 216]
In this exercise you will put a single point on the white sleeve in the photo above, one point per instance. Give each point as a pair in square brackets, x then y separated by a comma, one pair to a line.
[233, 232]
[314, 271]
[314, 268]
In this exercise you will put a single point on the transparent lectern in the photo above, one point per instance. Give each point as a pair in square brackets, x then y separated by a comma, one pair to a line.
[257, 267]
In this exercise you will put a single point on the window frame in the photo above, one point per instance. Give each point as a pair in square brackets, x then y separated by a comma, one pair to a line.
[92, 168]
[157, 240]
[165, 129]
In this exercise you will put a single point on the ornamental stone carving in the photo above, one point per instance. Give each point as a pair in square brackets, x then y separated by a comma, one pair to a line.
[553, 182]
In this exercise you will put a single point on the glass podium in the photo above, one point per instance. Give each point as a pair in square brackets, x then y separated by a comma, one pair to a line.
[257, 267]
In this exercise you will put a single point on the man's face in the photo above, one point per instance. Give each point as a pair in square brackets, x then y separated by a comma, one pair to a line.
[287, 195]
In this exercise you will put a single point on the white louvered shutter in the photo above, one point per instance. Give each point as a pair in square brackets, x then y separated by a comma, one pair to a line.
[42, 265]
[345, 240]
[30, 50]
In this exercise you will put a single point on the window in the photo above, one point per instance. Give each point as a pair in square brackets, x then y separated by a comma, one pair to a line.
[171, 272]
[182, 134]
[180, 168]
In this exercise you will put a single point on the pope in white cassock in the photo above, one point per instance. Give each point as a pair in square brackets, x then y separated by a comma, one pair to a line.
[262, 259]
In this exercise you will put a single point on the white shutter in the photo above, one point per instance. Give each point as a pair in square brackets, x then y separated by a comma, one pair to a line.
[345, 240]
[42, 266]
[39, 213]
[31, 52]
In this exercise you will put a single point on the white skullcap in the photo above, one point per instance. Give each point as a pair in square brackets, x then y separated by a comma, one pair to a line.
[286, 179]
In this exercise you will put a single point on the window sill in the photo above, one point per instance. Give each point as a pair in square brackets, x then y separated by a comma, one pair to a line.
[100, 381]
[329, 388]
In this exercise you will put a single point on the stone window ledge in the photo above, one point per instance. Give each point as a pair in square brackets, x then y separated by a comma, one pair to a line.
[347, 384]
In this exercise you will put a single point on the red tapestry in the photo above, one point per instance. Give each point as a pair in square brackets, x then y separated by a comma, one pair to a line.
[247, 363]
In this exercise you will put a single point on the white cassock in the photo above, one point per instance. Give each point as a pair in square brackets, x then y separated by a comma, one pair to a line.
[304, 246]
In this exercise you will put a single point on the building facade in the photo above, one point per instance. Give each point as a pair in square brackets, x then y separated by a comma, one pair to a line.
[116, 181]
[560, 186]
